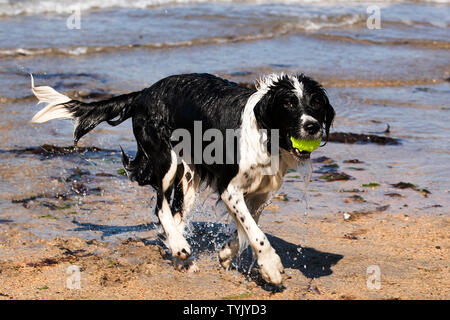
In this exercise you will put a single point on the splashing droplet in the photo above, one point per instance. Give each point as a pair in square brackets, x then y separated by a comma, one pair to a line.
[305, 172]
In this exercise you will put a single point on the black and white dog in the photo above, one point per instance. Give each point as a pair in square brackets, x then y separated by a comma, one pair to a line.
[292, 106]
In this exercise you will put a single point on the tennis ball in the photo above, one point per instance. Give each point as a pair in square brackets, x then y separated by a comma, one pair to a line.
[305, 145]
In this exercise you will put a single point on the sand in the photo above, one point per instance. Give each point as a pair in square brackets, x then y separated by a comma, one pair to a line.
[410, 252]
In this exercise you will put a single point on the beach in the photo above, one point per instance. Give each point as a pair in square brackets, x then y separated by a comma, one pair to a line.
[376, 207]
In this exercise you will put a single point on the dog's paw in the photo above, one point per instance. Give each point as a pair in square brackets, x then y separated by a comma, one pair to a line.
[180, 248]
[270, 267]
[226, 257]
[188, 265]
[227, 253]
[193, 268]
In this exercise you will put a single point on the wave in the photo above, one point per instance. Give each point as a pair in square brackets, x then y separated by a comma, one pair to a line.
[308, 28]
[33, 7]
[83, 50]
[418, 43]
[267, 31]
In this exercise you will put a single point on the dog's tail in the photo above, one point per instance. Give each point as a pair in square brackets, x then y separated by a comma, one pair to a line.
[86, 115]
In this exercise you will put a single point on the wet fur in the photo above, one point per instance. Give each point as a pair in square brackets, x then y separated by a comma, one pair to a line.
[175, 102]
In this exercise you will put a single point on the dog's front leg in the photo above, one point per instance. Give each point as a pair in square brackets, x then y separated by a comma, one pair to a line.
[255, 204]
[175, 240]
[269, 262]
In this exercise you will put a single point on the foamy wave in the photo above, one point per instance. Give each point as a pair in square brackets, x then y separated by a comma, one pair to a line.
[332, 22]
[32, 7]
[269, 31]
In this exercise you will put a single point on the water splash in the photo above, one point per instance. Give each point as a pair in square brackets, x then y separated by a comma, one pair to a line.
[305, 172]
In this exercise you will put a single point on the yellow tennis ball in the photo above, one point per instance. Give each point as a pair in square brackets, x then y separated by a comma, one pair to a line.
[305, 145]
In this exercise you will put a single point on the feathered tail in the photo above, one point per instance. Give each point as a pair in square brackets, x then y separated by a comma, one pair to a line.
[86, 115]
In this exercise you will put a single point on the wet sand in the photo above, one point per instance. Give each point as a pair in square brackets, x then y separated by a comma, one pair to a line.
[412, 253]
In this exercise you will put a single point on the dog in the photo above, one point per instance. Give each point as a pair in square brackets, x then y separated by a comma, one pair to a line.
[288, 105]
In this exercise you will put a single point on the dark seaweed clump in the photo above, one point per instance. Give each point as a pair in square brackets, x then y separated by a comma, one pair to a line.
[351, 138]
[48, 150]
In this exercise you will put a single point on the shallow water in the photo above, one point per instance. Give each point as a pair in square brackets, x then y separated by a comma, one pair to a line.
[395, 75]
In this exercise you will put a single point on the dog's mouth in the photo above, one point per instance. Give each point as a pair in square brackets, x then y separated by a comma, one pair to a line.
[300, 155]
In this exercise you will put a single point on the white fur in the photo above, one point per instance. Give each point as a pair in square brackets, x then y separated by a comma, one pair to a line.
[307, 118]
[170, 175]
[251, 146]
[190, 188]
[55, 104]
[264, 84]
[268, 260]
[175, 240]
[298, 87]
[251, 139]
[252, 151]
[253, 179]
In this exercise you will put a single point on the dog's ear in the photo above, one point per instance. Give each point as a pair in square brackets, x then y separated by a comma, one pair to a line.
[329, 117]
[262, 112]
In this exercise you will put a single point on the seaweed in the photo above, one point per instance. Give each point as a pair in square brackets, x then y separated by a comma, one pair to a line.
[371, 184]
[351, 138]
[407, 185]
[336, 176]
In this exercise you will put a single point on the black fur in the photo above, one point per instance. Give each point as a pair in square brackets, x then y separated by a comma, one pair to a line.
[89, 115]
[176, 102]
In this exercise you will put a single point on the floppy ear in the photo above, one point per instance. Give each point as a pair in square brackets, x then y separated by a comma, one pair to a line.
[262, 113]
[329, 117]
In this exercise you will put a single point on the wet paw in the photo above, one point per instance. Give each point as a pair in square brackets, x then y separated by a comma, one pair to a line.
[225, 257]
[180, 248]
[183, 253]
[227, 253]
[188, 265]
[271, 267]
[193, 268]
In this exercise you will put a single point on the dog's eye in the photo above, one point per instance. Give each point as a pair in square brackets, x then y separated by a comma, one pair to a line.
[317, 102]
[288, 105]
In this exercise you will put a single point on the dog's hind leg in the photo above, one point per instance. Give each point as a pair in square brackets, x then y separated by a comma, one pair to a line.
[175, 240]
[185, 192]
[229, 251]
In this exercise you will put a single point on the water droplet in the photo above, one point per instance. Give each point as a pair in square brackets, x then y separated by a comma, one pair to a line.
[305, 171]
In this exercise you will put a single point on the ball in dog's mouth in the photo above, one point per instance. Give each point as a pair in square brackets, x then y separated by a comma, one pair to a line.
[302, 148]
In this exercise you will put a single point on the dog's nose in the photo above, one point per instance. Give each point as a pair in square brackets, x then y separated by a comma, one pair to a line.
[312, 127]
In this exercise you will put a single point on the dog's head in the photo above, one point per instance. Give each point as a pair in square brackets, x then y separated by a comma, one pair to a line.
[297, 106]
